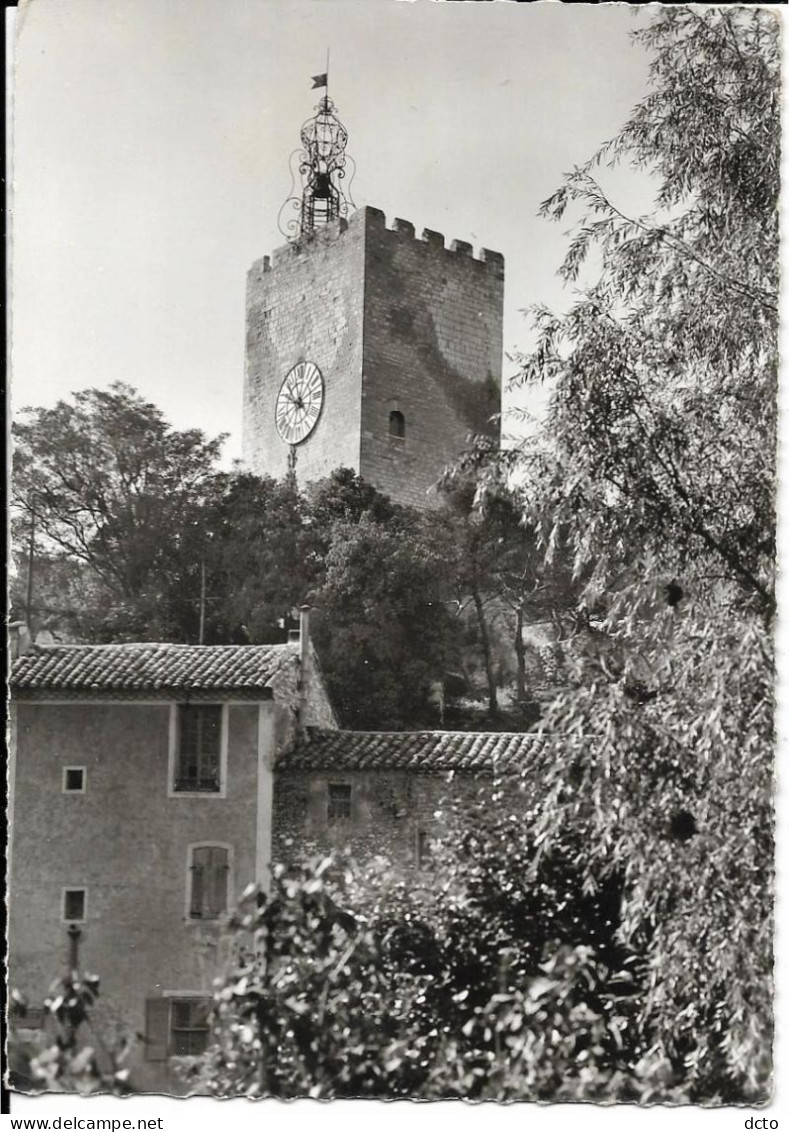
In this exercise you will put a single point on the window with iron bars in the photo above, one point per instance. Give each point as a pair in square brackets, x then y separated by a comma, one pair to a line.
[199, 742]
[188, 1026]
[339, 801]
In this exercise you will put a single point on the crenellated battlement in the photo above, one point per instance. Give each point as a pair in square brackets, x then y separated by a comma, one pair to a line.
[404, 326]
[374, 221]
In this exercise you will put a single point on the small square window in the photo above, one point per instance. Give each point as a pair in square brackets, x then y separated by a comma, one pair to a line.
[74, 900]
[339, 801]
[73, 779]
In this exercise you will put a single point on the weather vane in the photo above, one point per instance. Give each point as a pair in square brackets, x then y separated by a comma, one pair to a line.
[321, 166]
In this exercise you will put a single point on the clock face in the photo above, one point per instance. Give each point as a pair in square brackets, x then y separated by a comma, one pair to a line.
[299, 402]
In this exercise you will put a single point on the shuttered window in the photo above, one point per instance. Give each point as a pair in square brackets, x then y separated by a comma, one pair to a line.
[157, 1029]
[209, 870]
[199, 744]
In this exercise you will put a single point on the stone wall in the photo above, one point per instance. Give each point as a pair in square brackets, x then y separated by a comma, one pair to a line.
[388, 812]
[286, 686]
[395, 323]
[432, 352]
[306, 305]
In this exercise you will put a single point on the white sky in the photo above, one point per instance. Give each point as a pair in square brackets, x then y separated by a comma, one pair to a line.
[152, 140]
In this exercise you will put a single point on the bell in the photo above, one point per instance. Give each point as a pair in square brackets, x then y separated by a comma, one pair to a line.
[322, 189]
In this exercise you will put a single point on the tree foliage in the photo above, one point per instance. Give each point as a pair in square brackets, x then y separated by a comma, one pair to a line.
[344, 496]
[661, 430]
[368, 983]
[498, 567]
[384, 628]
[110, 485]
[657, 463]
[70, 1054]
[153, 541]
[258, 557]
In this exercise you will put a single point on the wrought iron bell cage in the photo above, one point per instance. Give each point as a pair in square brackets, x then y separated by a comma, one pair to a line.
[322, 168]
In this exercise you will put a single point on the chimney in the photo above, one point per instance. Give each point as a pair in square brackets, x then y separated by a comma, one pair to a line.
[304, 656]
[304, 633]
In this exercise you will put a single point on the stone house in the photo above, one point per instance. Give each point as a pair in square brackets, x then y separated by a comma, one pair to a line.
[383, 792]
[141, 791]
[152, 783]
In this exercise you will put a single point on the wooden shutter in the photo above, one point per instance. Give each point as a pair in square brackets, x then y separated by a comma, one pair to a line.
[157, 1028]
[217, 892]
[209, 873]
[198, 869]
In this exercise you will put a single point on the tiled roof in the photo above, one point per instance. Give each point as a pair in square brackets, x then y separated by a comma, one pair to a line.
[148, 668]
[419, 752]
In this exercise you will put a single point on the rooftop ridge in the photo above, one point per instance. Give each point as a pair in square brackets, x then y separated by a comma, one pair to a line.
[136, 666]
[328, 731]
[417, 752]
[151, 645]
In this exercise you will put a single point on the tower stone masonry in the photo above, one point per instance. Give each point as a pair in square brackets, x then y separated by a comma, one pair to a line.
[407, 335]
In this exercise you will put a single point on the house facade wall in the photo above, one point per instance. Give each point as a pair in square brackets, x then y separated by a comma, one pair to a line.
[389, 809]
[126, 840]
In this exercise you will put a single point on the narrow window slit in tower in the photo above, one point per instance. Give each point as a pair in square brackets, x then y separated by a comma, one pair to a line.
[396, 425]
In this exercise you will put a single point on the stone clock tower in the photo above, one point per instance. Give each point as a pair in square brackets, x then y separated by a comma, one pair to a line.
[367, 347]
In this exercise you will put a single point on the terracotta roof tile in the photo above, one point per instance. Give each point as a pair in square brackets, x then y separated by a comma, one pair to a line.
[421, 752]
[135, 668]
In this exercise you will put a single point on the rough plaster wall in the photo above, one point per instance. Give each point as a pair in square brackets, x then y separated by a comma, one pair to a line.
[319, 711]
[432, 351]
[306, 306]
[388, 811]
[127, 842]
